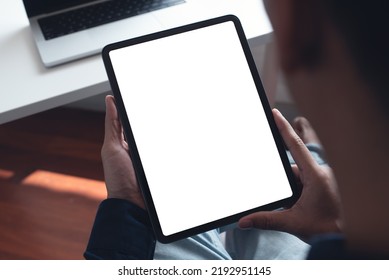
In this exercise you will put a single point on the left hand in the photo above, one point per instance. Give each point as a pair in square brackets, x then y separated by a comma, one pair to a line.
[119, 172]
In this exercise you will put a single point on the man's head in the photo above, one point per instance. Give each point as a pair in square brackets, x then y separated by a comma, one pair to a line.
[333, 55]
[362, 26]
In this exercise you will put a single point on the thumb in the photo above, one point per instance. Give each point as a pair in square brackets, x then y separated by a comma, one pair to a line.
[112, 123]
[274, 220]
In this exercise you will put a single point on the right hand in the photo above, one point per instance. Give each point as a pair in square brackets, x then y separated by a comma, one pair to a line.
[317, 211]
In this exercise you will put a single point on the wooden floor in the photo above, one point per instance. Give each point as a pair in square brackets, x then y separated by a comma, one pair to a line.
[51, 182]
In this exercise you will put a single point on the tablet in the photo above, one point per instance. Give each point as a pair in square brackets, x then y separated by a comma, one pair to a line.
[201, 135]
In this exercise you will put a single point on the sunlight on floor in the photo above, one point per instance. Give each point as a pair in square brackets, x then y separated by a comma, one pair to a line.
[6, 174]
[66, 184]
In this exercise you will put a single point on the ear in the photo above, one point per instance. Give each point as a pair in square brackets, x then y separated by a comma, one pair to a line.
[297, 30]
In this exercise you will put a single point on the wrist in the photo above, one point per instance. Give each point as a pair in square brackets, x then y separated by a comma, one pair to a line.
[135, 199]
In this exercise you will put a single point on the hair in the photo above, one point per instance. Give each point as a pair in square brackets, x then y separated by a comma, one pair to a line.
[364, 25]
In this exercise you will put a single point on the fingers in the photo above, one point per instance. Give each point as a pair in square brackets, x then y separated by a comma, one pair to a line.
[296, 171]
[112, 123]
[299, 179]
[296, 146]
[281, 220]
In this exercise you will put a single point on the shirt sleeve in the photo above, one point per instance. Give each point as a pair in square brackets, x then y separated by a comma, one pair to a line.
[334, 247]
[121, 230]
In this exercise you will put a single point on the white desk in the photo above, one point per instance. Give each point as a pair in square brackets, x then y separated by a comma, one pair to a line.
[27, 87]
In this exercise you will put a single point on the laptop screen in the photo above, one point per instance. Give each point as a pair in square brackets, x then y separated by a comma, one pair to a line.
[38, 7]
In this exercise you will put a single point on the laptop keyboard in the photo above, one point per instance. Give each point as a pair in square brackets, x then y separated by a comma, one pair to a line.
[98, 14]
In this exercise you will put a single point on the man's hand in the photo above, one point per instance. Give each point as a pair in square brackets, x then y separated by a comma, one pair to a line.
[317, 211]
[119, 172]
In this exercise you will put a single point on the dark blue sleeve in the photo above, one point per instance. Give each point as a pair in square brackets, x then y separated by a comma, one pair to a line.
[334, 247]
[327, 247]
[121, 231]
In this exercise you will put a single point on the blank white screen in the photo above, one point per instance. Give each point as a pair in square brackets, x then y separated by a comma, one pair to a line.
[202, 136]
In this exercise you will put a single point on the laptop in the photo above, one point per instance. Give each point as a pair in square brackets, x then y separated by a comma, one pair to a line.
[67, 30]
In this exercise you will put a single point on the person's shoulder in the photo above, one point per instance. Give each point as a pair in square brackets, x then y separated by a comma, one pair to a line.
[333, 247]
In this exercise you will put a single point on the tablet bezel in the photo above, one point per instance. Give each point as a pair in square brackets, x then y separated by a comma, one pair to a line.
[141, 177]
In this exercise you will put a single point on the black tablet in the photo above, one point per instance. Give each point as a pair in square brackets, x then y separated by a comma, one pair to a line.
[202, 138]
